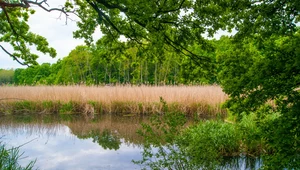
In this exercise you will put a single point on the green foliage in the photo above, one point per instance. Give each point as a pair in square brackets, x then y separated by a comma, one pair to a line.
[282, 135]
[14, 30]
[6, 76]
[168, 125]
[39, 74]
[23, 106]
[66, 117]
[257, 72]
[160, 147]
[105, 139]
[67, 108]
[207, 143]
[164, 104]
[117, 63]
[143, 22]
[170, 24]
[50, 106]
[252, 139]
[9, 159]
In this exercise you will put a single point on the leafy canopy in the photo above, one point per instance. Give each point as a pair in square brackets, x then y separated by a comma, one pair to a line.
[15, 31]
[179, 24]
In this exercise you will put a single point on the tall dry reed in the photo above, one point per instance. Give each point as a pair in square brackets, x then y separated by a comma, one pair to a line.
[133, 99]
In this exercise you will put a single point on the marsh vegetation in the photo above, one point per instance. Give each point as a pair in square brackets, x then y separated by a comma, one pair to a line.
[122, 100]
[179, 127]
[9, 158]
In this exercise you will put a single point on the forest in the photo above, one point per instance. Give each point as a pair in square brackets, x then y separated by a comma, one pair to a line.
[97, 65]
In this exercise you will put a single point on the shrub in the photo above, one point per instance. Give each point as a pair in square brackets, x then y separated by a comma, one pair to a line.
[207, 142]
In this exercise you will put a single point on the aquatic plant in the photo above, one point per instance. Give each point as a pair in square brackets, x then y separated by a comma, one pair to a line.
[205, 145]
[9, 159]
[123, 100]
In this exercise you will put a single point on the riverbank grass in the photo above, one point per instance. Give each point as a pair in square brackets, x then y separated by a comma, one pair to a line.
[9, 159]
[122, 100]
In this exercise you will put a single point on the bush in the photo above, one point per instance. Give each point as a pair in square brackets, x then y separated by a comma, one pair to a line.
[207, 142]
[252, 141]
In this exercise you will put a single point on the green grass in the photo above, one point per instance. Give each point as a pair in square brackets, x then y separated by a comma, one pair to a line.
[203, 145]
[9, 159]
[115, 107]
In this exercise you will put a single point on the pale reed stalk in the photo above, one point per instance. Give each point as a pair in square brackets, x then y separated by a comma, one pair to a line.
[125, 99]
[107, 94]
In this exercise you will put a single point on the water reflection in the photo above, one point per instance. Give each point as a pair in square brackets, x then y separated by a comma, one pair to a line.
[72, 142]
[241, 162]
[105, 139]
[56, 146]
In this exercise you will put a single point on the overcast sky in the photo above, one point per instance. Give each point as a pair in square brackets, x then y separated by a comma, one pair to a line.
[58, 34]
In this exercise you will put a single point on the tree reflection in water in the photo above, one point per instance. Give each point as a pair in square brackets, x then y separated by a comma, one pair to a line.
[105, 139]
[117, 133]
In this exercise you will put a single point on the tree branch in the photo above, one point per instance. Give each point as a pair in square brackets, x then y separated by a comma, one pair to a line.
[8, 20]
[101, 15]
[171, 10]
[13, 5]
[143, 24]
[14, 57]
[25, 4]
[16, 34]
[112, 6]
[40, 4]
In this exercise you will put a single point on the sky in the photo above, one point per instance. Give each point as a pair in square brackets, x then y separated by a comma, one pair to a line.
[55, 30]
[54, 146]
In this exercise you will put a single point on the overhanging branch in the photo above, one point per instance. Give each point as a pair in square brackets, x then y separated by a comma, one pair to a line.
[13, 26]
[40, 4]
[14, 57]
[13, 5]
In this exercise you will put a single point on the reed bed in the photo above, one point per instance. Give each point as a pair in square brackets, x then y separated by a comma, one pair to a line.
[201, 100]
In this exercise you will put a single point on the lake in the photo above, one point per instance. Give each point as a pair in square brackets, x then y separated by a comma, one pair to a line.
[72, 142]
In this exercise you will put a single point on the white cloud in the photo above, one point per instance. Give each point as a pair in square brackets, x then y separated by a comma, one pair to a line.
[58, 34]
[62, 150]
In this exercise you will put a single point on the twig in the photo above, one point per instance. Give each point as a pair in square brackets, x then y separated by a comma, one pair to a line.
[27, 142]
[11, 99]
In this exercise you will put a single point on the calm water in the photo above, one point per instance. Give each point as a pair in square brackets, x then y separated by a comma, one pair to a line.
[68, 145]
[71, 142]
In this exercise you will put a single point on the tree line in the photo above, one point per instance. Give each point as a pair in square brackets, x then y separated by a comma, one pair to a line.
[102, 64]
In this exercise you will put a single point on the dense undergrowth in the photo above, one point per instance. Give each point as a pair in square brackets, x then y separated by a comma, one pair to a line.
[204, 145]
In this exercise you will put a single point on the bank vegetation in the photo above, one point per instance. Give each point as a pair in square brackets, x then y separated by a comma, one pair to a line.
[122, 100]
